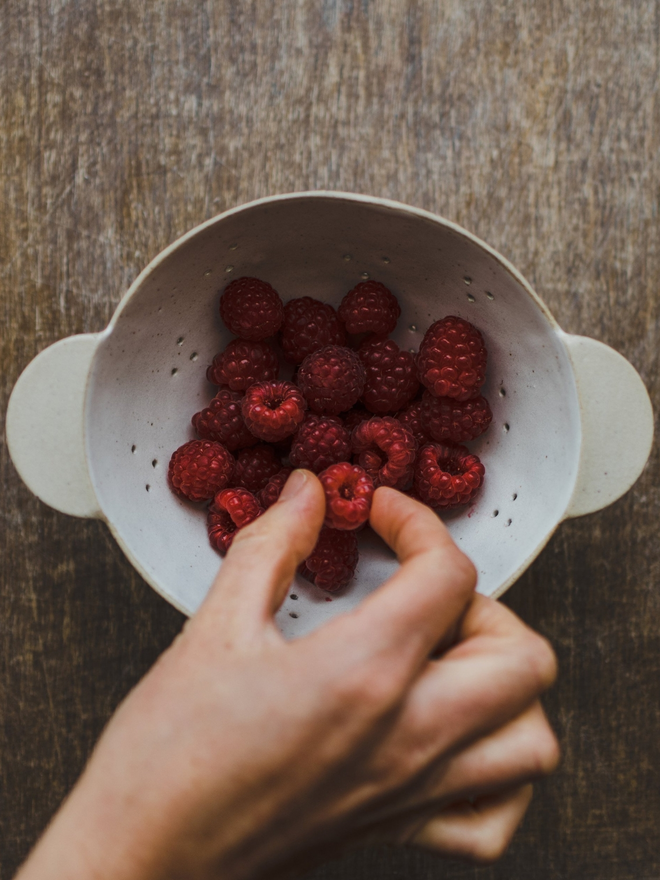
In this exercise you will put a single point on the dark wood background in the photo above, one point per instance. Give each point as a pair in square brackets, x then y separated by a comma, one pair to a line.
[535, 124]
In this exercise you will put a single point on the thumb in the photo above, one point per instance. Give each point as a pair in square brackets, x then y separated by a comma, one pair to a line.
[262, 560]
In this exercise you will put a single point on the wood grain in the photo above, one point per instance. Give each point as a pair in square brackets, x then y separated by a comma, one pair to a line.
[535, 124]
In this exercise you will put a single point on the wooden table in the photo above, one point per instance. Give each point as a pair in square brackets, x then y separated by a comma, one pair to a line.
[535, 124]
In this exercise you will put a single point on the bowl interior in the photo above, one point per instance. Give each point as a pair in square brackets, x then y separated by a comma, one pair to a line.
[148, 379]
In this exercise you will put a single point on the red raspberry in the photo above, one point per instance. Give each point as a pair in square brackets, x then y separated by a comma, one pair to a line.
[370, 308]
[354, 416]
[273, 410]
[199, 469]
[455, 421]
[251, 308]
[411, 418]
[452, 359]
[242, 364]
[273, 488]
[391, 375]
[332, 562]
[386, 450]
[232, 509]
[446, 476]
[309, 325]
[320, 442]
[332, 379]
[255, 467]
[223, 421]
[348, 494]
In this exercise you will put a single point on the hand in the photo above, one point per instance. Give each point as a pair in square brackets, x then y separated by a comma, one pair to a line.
[240, 754]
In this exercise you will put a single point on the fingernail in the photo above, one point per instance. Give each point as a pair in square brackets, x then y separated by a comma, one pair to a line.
[293, 485]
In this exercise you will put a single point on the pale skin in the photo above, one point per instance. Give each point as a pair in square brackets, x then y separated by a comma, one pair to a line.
[241, 756]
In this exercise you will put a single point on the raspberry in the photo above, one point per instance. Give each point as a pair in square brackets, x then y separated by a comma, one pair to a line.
[232, 509]
[348, 494]
[455, 421]
[369, 308]
[199, 469]
[332, 379]
[273, 410]
[446, 476]
[452, 359]
[386, 450]
[411, 418]
[223, 421]
[391, 375]
[251, 308]
[309, 325]
[255, 467]
[320, 442]
[354, 416]
[242, 364]
[332, 562]
[273, 488]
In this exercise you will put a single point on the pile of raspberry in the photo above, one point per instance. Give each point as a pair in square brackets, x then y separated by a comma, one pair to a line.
[356, 410]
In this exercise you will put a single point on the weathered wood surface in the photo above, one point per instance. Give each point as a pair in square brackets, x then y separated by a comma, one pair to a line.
[535, 124]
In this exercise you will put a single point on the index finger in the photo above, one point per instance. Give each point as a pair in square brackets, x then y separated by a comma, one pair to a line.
[422, 602]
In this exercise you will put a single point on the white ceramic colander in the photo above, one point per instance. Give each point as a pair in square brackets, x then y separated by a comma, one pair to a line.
[572, 422]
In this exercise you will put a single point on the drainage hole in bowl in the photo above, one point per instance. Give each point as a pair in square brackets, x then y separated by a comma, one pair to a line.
[179, 340]
[194, 356]
[413, 328]
[467, 279]
[348, 257]
[364, 275]
[490, 295]
[147, 487]
[507, 523]
[293, 596]
[207, 273]
[470, 298]
[133, 448]
[292, 614]
[495, 513]
[232, 247]
[174, 371]
[229, 269]
[502, 392]
[514, 496]
[154, 462]
[505, 426]
[386, 260]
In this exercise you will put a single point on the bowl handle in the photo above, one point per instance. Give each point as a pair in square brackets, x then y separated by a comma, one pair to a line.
[617, 424]
[50, 395]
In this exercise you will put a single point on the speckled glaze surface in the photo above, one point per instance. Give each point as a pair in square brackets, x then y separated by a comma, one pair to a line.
[125, 396]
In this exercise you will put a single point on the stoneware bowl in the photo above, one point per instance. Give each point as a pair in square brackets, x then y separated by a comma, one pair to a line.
[572, 425]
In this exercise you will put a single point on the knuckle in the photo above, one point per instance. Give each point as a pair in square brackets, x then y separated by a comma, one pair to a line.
[540, 660]
[546, 754]
[367, 691]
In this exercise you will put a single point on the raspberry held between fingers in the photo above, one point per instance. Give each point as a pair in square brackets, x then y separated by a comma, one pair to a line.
[348, 494]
